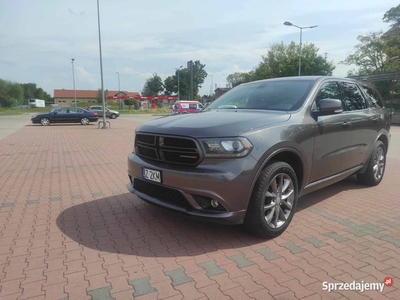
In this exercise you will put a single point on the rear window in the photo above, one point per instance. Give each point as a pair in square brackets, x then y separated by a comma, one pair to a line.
[373, 96]
[282, 95]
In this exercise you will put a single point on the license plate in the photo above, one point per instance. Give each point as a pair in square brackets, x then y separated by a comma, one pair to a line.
[151, 175]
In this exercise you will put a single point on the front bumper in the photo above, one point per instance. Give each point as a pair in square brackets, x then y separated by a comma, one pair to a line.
[210, 179]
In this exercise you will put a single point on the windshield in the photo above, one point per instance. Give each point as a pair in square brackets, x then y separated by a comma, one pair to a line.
[285, 95]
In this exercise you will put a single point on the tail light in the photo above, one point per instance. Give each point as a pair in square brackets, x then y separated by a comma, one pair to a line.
[94, 114]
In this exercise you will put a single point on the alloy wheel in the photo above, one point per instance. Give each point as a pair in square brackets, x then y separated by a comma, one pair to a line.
[279, 198]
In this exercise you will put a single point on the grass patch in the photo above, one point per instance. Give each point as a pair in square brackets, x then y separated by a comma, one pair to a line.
[19, 111]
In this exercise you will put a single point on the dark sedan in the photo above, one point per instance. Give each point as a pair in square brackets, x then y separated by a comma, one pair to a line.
[66, 115]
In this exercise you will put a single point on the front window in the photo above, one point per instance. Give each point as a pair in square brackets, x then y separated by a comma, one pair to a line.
[283, 95]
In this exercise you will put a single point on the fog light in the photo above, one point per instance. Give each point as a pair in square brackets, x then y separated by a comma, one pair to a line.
[214, 203]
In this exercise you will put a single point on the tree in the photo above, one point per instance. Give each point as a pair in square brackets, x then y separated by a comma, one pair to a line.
[129, 102]
[99, 96]
[369, 55]
[283, 60]
[153, 86]
[171, 85]
[238, 78]
[392, 16]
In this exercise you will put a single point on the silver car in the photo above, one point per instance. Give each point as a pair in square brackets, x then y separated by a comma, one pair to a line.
[112, 114]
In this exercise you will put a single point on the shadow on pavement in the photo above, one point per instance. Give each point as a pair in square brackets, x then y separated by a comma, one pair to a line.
[126, 225]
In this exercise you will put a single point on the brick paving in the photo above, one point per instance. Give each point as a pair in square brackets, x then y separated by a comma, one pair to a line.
[70, 230]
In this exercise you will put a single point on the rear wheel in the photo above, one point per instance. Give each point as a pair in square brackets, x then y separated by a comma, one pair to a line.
[85, 121]
[273, 201]
[45, 121]
[376, 166]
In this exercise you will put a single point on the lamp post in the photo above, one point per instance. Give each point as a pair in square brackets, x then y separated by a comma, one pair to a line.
[179, 93]
[211, 87]
[73, 79]
[119, 89]
[301, 35]
[119, 86]
[101, 70]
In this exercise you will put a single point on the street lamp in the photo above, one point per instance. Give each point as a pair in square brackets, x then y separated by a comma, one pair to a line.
[179, 93]
[301, 35]
[119, 86]
[73, 78]
[101, 70]
[211, 87]
[119, 89]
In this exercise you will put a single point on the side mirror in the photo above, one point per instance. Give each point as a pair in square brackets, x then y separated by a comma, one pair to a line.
[330, 106]
[54, 113]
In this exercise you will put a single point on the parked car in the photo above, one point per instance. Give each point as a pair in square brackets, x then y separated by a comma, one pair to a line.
[112, 114]
[187, 107]
[254, 151]
[65, 115]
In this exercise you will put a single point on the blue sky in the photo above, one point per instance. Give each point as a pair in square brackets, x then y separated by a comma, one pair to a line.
[139, 38]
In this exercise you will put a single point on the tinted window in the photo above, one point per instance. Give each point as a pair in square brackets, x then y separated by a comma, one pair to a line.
[353, 97]
[373, 96]
[329, 90]
[285, 95]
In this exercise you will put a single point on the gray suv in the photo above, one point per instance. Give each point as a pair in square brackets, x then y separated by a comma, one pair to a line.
[254, 151]
[99, 110]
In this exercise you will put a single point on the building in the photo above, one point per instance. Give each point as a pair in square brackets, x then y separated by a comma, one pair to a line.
[220, 91]
[66, 97]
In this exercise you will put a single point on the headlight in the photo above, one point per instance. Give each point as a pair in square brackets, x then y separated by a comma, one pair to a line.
[226, 147]
[33, 117]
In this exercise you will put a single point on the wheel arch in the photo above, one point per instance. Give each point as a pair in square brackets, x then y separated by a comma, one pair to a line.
[290, 156]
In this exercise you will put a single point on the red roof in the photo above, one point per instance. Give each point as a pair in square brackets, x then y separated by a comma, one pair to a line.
[89, 94]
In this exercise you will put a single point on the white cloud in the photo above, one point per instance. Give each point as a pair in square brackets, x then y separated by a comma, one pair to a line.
[156, 36]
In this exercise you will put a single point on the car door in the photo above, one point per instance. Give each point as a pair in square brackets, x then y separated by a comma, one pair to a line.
[58, 116]
[365, 121]
[332, 142]
[74, 115]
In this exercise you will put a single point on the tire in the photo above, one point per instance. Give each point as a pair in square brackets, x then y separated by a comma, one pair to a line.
[113, 116]
[45, 121]
[261, 217]
[376, 166]
[85, 121]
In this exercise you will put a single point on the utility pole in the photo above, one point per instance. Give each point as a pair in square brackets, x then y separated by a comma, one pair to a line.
[326, 55]
[190, 68]
[73, 78]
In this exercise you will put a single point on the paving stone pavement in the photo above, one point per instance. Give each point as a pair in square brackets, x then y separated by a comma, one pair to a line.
[69, 229]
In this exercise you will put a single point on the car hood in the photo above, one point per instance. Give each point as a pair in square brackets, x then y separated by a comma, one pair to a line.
[219, 123]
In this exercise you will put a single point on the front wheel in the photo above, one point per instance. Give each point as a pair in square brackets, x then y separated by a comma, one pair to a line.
[85, 121]
[113, 116]
[376, 166]
[45, 121]
[273, 201]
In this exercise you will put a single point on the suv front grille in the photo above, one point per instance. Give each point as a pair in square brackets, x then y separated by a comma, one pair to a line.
[176, 150]
[161, 193]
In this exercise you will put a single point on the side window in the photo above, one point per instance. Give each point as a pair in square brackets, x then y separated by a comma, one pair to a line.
[373, 96]
[328, 90]
[352, 96]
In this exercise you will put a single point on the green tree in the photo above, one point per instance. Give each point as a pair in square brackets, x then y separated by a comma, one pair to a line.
[283, 60]
[238, 78]
[392, 16]
[369, 55]
[129, 102]
[99, 96]
[153, 86]
[171, 85]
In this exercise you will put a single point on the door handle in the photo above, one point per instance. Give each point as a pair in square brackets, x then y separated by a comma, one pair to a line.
[346, 124]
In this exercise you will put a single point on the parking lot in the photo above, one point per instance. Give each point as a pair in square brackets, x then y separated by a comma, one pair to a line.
[69, 229]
